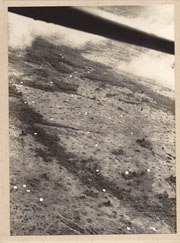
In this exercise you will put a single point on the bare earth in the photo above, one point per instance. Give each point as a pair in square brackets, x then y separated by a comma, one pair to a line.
[97, 145]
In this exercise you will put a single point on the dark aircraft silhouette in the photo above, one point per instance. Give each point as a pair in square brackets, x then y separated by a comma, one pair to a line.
[83, 20]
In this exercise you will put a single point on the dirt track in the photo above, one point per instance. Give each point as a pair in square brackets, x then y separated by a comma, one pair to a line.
[96, 145]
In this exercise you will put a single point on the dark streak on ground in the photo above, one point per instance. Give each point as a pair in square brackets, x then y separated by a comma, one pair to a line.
[34, 122]
[156, 207]
[44, 54]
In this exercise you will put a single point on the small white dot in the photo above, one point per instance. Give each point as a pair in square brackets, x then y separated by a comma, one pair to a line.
[104, 190]
[148, 170]
[85, 113]
[28, 190]
[51, 119]
[88, 132]
[153, 228]
[70, 76]
[18, 91]
[121, 115]
[33, 101]
[96, 144]
[15, 187]
[131, 133]
[127, 172]
[41, 199]
[25, 102]
[97, 170]
[21, 82]
[51, 82]
[88, 71]
[24, 185]
[128, 228]
[35, 133]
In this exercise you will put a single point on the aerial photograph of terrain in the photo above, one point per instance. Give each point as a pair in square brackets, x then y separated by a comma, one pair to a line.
[91, 127]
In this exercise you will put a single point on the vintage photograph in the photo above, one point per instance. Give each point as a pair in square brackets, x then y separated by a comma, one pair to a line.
[92, 120]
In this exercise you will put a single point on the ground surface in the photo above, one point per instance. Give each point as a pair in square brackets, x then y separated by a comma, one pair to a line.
[97, 145]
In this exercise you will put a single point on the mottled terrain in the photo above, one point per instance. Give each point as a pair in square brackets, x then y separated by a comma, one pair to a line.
[98, 145]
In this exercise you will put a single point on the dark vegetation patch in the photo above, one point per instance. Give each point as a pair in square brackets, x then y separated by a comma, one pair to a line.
[41, 53]
[172, 181]
[43, 154]
[171, 156]
[145, 100]
[129, 101]
[109, 95]
[108, 203]
[41, 73]
[164, 210]
[44, 176]
[13, 92]
[33, 183]
[25, 114]
[91, 193]
[118, 152]
[28, 116]
[144, 143]
[47, 84]
[120, 109]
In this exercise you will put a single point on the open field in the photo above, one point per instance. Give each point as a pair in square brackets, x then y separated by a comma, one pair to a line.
[98, 145]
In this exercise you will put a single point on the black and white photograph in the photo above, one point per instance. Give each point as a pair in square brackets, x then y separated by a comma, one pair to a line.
[92, 120]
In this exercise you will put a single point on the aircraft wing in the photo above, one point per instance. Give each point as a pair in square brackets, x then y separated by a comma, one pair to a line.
[80, 19]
